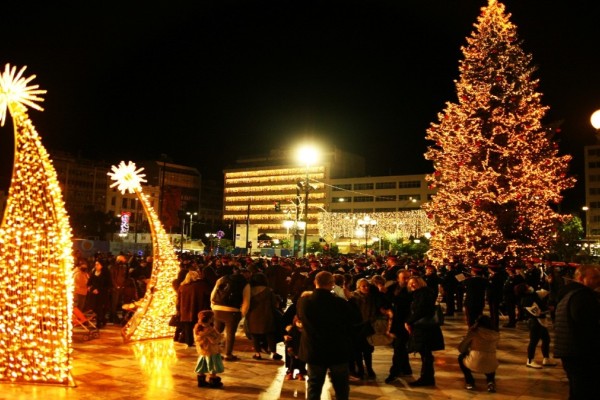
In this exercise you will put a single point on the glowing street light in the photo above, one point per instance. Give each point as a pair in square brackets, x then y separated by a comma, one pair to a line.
[191, 214]
[365, 223]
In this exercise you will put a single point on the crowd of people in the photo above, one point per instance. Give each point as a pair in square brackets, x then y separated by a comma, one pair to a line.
[324, 309]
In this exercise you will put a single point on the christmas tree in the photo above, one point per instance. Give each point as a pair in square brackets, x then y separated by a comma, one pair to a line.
[496, 168]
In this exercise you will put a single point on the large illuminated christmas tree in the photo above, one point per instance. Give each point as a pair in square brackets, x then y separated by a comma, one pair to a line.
[497, 170]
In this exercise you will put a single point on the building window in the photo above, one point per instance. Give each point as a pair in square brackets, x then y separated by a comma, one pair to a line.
[342, 186]
[385, 198]
[595, 190]
[113, 201]
[595, 204]
[363, 199]
[594, 152]
[385, 185]
[341, 210]
[595, 232]
[363, 186]
[385, 209]
[363, 210]
[124, 203]
[409, 184]
[596, 218]
[594, 164]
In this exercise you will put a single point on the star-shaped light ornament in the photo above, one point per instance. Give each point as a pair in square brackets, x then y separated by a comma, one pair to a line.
[14, 91]
[127, 177]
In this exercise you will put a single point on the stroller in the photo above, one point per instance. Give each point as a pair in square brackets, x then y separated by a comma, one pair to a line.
[86, 323]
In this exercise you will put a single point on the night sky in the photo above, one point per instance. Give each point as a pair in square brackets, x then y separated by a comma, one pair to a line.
[207, 81]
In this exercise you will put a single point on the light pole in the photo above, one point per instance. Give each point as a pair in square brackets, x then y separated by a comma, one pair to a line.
[210, 237]
[365, 223]
[585, 209]
[308, 156]
[191, 214]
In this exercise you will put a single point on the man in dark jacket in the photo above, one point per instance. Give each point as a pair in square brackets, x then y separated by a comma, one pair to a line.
[577, 330]
[325, 344]
[397, 294]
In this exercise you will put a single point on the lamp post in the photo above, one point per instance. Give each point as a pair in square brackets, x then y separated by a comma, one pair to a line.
[210, 237]
[308, 156]
[365, 223]
[585, 209]
[191, 214]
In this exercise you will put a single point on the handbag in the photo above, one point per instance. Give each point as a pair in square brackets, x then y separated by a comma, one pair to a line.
[174, 321]
[381, 336]
[436, 319]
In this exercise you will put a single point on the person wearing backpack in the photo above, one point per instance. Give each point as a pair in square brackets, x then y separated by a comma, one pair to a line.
[230, 300]
[577, 329]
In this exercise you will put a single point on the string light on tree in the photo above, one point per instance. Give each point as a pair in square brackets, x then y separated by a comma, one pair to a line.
[36, 262]
[150, 320]
[497, 169]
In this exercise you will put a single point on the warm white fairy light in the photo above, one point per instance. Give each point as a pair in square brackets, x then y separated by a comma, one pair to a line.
[36, 262]
[151, 319]
[390, 225]
[126, 177]
[14, 90]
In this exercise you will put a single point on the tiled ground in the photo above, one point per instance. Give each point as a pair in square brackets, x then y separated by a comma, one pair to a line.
[108, 369]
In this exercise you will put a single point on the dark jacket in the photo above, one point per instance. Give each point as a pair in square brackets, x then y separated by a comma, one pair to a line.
[191, 299]
[260, 318]
[577, 324]
[424, 337]
[327, 322]
[400, 299]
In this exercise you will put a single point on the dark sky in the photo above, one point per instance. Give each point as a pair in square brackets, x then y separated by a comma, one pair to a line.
[207, 81]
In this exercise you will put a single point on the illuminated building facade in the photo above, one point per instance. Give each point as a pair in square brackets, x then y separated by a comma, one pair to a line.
[377, 194]
[268, 190]
[592, 191]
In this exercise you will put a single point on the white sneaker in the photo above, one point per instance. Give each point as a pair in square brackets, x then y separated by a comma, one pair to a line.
[549, 362]
[533, 364]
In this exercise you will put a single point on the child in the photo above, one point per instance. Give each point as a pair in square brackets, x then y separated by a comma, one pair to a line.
[478, 353]
[292, 345]
[536, 305]
[208, 345]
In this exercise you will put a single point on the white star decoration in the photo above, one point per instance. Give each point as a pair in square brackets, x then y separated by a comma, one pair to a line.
[14, 90]
[126, 177]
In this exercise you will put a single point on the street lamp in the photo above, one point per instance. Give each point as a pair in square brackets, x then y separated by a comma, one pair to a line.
[307, 155]
[191, 214]
[585, 209]
[365, 223]
[210, 237]
[595, 120]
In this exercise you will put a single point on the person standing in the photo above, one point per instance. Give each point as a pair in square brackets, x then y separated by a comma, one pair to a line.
[192, 297]
[80, 281]
[475, 290]
[577, 330]
[99, 286]
[230, 300]
[326, 342]
[260, 320]
[400, 298]
[426, 336]
[118, 275]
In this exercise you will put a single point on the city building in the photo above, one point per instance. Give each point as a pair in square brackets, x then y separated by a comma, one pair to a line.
[592, 191]
[270, 193]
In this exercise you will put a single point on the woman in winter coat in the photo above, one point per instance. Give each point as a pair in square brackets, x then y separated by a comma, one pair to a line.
[99, 286]
[425, 334]
[260, 319]
[364, 299]
[193, 296]
[478, 353]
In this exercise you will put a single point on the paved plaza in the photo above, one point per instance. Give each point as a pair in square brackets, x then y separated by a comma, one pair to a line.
[106, 368]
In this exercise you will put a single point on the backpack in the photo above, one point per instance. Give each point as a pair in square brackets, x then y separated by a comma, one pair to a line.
[230, 291]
